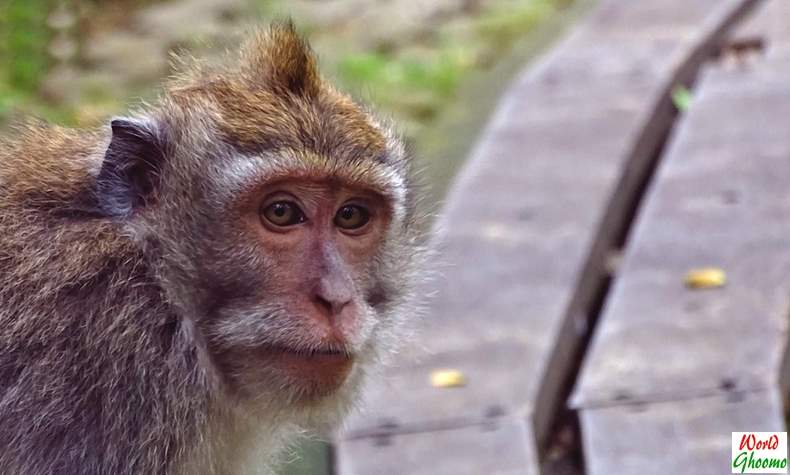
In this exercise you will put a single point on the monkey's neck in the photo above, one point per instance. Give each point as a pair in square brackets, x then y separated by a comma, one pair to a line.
[240, 440]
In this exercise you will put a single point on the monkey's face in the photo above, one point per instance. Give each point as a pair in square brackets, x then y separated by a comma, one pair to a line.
[289, 267]
[292, 303]
[280, 219]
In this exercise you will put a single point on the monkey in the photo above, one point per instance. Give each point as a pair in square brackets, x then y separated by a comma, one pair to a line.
[190, 287]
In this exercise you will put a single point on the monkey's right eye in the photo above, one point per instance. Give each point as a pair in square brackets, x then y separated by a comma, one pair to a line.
[283, 213]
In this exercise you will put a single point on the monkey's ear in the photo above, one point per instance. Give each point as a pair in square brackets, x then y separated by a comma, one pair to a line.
[131, 166]
[281, 60]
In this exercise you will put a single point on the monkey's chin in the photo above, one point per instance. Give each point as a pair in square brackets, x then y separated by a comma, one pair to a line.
[311, 376]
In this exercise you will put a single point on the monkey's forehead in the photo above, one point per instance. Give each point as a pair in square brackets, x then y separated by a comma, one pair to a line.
[375, 174]
[330, 123]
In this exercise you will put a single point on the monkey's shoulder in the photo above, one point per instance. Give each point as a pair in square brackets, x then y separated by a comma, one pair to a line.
[46, 163]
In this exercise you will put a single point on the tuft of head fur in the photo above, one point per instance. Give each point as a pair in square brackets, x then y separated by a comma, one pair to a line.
[111, 262]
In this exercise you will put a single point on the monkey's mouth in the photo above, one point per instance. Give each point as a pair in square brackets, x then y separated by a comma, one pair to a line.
[313, 352]
[326, 368]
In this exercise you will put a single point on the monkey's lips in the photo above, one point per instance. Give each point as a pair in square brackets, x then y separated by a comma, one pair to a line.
[322, 370]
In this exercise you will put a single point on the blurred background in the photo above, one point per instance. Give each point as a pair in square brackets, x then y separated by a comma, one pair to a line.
[436, 66]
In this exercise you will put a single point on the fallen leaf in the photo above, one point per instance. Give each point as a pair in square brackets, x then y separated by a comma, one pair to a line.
[706, 278]
[447, 378]
[681, 97]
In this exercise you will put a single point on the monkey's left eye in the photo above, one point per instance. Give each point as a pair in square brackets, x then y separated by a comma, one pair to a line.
[283, 213]
[352, 217]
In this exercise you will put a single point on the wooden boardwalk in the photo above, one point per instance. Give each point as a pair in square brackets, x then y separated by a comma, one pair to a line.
[531, 236]
[671, 367]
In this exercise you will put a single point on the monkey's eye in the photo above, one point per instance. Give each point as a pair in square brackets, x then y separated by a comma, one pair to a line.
[283, 213]
[351, 217]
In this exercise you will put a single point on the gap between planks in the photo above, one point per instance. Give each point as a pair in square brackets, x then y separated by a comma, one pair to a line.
[612, 235]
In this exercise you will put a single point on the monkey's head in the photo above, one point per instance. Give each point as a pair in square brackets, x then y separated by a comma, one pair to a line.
[279, 218]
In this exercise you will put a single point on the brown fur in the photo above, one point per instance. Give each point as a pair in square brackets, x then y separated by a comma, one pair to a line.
[109, 312]
[288, 106]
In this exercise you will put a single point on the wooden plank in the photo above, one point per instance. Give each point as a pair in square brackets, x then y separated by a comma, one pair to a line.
[678, 437]
[547, 167]
[499, 447]
[720, 198]
[529, 221]
[492, 389]
[673, 370]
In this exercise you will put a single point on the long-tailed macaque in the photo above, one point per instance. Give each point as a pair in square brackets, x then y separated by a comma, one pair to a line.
[185, 289]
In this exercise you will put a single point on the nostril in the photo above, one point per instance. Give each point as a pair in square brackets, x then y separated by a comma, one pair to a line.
[324, 304]
[330, 307]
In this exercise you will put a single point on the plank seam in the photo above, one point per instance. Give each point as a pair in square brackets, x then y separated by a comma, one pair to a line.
[735, 394]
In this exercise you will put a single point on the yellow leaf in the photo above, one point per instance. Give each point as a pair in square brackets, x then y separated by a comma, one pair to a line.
[705, 278]
[448, 378]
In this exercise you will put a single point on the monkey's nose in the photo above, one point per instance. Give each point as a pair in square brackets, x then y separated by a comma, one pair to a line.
[332, 295]
[331, 307]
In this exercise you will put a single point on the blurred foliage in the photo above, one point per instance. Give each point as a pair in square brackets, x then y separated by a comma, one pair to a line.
[410, 85]
[24, 37]
[413, 77]
[417, 76]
